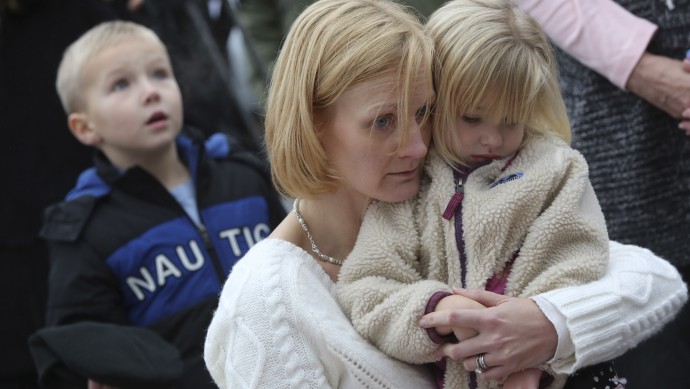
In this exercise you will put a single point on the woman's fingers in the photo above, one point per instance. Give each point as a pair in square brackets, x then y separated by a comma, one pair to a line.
[512, 331]
[452, 317]
[488, 299]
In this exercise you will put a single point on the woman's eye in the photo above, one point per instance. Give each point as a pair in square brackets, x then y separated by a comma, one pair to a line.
[383, 122]
[421, 112]
[471, 119]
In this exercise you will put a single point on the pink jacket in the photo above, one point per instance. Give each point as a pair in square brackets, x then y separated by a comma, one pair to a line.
[600, 34]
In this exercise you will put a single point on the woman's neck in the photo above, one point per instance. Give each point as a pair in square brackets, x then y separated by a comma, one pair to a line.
[333, 220]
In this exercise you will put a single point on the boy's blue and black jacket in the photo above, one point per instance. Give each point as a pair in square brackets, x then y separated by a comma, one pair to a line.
[124, 251]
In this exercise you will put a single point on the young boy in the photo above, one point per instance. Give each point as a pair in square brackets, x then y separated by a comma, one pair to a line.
[148, 235]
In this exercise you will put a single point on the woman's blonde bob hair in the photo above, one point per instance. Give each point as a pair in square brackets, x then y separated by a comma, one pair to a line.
[70, 83]
[494, 57]
[333, 45]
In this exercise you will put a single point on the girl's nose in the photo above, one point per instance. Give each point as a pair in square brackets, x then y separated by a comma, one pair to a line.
[491, 137]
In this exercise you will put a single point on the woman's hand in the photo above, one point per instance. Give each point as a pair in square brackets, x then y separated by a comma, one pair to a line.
[512, 332]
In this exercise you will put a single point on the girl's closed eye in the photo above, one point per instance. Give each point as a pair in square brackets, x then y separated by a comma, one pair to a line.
[509, 124]
[471, 119]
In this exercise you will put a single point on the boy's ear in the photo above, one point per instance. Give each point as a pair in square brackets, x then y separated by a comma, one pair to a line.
[78, 124]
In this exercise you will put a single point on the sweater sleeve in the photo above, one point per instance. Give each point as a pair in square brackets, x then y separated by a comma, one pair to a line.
[600, 34]
[381, 287]
[638, 295]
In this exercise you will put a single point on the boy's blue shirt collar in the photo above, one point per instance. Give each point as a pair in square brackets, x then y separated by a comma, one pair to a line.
[217, 146]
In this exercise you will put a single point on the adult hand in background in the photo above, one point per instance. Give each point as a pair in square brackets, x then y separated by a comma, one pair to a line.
[134, 5]
[685, 124]
[512, 331]
[95, 385]
[665, 83]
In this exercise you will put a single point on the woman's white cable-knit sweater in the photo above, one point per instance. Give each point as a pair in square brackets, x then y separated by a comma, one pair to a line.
[278, 325]
[638, 295]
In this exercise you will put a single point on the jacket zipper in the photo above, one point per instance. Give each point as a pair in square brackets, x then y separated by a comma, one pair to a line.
[211, 251]
[456, 200]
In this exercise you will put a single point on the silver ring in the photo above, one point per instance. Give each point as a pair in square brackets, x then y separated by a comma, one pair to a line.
[481, 363]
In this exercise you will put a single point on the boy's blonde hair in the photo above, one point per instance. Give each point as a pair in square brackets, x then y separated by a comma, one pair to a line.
[490, 52]
[333, 45]
[70, 82]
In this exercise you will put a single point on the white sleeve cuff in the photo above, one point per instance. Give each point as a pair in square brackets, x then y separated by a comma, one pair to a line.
[565, 347]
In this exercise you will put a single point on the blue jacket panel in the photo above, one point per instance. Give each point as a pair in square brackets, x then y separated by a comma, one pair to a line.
[170, 267]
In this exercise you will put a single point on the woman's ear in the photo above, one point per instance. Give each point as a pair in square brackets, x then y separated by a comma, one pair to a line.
[319, 120]
[78, 124]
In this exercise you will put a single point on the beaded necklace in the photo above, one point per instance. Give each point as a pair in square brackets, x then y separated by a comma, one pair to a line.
[314, 248]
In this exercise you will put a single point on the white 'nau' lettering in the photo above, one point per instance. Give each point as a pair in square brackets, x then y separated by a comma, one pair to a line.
[165, 268]
[147, 283]
[191, 266]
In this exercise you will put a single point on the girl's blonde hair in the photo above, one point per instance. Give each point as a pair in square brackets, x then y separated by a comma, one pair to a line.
[493, 56]
[333, 45]
[70, 83]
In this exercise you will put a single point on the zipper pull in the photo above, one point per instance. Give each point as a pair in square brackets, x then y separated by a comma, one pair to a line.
[205, 237]
[455, 200]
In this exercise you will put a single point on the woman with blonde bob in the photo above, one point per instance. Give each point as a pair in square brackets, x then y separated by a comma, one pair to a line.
[347, 124]
[344, 125]
[505, 205]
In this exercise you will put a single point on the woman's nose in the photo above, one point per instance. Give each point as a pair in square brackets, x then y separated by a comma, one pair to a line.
[417, 142]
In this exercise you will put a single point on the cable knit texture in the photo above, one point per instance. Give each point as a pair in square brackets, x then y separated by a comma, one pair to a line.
[278, 325]
[634, 300]
[406, 252]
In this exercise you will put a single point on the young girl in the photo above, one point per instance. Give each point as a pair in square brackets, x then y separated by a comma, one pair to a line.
[505, 204]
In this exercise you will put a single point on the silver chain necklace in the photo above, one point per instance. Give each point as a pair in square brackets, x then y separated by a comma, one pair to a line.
[322, 256]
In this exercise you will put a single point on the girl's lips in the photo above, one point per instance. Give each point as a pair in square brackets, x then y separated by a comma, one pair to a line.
[483, 158]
